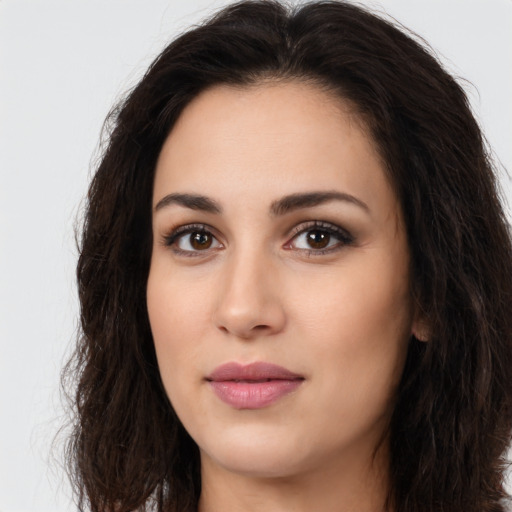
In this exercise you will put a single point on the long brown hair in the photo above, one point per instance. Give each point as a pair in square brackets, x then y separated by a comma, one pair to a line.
[453, 416]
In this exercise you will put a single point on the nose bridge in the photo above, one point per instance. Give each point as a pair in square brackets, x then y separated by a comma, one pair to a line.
[248, 301]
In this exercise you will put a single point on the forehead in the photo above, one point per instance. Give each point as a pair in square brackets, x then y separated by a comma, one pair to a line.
[291, 135]
[273, 112]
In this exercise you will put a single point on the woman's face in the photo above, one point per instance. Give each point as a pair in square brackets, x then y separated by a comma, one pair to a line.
[279, 287]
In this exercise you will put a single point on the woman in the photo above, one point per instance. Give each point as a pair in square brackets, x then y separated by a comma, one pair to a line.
[294, 279]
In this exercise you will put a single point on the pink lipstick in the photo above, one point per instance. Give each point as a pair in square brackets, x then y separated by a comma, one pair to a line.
[252, 386]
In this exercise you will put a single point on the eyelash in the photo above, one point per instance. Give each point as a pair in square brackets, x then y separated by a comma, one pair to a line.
[344, 238]
[170, 239]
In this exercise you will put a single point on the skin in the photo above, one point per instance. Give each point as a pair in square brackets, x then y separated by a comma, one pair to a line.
[255, 290]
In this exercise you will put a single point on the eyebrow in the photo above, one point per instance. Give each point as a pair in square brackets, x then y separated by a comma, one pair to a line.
[192, 201]
[307, 200]
[280, 207]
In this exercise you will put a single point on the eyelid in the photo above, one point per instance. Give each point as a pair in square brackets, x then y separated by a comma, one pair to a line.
[344, 237]
[174, 234]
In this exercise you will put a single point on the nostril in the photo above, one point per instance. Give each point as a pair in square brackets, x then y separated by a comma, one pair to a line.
[260, 327]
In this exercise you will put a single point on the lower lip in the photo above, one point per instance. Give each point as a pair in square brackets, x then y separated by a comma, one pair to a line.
[253, 395]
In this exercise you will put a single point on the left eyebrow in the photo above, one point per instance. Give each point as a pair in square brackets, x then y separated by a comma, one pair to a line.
[294, 202]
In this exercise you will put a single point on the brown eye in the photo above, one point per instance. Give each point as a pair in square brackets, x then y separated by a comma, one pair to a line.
[200, 240]
[189, 240]
[318, 239]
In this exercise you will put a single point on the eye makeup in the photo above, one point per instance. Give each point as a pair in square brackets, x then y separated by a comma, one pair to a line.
[192, 240]
[318, 238]
[310, 238]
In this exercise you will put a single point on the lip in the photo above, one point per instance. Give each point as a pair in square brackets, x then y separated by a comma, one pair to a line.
[252, 386]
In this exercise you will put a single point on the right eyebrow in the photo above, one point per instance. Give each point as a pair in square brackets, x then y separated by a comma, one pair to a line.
[192, 201]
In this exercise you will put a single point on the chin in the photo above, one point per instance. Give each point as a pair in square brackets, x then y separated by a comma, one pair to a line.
[261, 464]
[258, 455]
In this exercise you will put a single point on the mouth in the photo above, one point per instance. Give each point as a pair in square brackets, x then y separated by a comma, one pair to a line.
[252, 386]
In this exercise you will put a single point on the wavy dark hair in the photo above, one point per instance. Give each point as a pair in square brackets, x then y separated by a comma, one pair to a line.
[452, 420]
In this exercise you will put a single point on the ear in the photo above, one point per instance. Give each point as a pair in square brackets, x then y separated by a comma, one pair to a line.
[421, 328]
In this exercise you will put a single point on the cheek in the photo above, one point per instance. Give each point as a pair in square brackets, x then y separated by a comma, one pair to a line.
[174, 310]
[361, 321]
[364, 298]
[176, 302]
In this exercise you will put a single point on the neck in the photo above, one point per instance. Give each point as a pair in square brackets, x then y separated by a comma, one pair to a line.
[336, 487]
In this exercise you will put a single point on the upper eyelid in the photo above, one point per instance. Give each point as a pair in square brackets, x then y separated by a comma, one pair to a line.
[297, 228]
[187, 228]
[319, 224]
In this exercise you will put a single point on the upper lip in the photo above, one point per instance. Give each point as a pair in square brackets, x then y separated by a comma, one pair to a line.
[254, 371]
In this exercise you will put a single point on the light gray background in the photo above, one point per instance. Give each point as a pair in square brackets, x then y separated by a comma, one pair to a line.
[62, 65]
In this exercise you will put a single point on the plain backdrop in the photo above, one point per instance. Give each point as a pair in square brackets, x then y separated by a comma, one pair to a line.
[62, 66]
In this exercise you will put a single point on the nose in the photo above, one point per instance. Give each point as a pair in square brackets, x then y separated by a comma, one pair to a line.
[249, 303]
